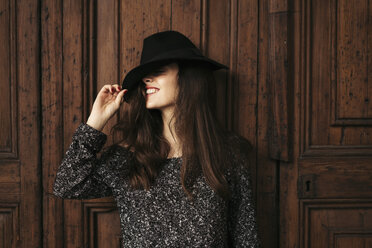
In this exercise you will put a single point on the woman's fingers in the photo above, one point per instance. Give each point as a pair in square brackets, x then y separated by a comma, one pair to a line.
[106, 88]
[117, 87]
[120, 96]
[112, 88]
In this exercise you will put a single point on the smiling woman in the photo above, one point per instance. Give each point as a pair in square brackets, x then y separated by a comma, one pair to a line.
[178, 178]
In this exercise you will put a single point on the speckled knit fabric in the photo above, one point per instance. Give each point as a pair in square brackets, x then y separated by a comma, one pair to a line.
[163, 216]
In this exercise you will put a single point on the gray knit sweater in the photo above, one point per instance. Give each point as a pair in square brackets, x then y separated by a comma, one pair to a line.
[162, 216]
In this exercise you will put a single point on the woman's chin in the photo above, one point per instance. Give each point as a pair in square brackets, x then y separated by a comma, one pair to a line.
[161, 107]
[151, 106]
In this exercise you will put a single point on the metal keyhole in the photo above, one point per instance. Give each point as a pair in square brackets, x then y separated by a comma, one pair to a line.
[307, 186]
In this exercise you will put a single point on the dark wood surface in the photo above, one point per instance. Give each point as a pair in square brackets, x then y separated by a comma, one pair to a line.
[297, 88]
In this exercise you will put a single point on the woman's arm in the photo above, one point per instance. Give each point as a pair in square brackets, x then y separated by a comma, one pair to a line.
[77, 176]
[243, 230]
[242, 212]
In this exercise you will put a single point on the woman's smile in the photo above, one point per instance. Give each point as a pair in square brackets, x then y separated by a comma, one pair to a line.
[151, 90]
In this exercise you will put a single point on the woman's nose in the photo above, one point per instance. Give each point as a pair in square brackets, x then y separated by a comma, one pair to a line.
[147, 80]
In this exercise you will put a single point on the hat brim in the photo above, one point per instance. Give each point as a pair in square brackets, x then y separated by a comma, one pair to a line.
[135, 75]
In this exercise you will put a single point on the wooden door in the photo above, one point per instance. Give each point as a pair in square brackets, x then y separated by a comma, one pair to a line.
[20, 194]
[297, 89]
[326, 187]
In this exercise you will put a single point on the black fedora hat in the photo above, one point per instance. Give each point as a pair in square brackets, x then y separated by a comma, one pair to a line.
[159, 48]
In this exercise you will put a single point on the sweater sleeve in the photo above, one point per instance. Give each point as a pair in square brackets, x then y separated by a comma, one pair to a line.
[77, 176]
[242, 210]
[243, 214]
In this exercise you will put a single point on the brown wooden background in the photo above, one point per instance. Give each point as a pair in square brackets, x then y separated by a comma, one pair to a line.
[297, 88]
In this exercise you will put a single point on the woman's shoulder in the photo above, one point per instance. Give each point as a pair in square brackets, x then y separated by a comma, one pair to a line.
[239, 155]
[236, 144]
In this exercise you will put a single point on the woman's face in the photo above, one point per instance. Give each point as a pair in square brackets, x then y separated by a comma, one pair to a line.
[162, 87]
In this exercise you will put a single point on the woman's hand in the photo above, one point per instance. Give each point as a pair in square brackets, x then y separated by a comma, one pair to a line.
[106, 104]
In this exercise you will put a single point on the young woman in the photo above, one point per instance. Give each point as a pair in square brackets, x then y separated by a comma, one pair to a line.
[179, 180]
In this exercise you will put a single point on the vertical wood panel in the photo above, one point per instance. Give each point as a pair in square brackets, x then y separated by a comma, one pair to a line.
[369, 57]
[9, 227]
[29, 136]
[217, 42]
[11, 183]
[8, 70]
[89, 54]
[187, 17]
[247, 69]
[6, 234]
[288, 172]
[72, 104]
[100, 220]
[267, 169]
[320, 75]
[52, 122]
[280, 127]
[352, 59]
[8, 106]
[72, 67]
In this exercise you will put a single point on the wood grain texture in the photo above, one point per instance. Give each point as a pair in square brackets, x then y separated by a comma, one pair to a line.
[187, 17]
[100, 216]
[352, 65]
[288, 203]
[267, 169]
[72, 83]
[334, 158]
[217, 47]
[9, 227]
[337, 79]
[52, 122]
[28, 86]
[280, 128]
[355, 230]
[8, 104]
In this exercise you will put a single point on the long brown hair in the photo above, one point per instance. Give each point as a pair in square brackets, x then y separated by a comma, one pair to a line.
[203, 150]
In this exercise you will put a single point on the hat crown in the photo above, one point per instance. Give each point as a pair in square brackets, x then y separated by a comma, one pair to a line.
[164, 42]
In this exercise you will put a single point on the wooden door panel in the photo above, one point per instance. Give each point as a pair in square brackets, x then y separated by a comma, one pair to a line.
[355, 241]
[337, 223]
[8, 101]
[338, 39]
[102, 223]
[335, 178]
[334, 161]
[52, 122]
[352, 38]
[19, 130]
[9, 223]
